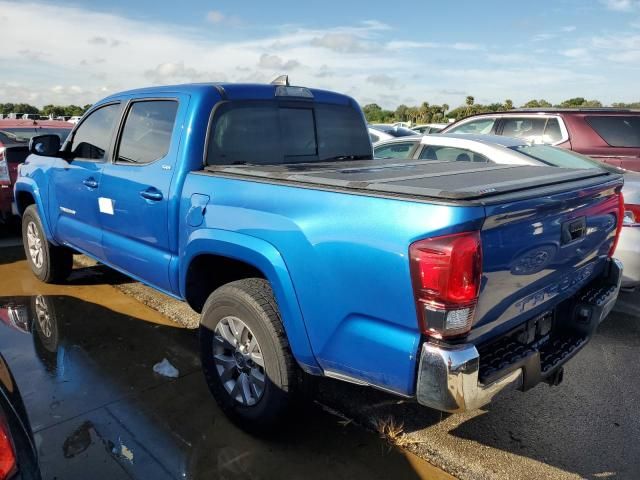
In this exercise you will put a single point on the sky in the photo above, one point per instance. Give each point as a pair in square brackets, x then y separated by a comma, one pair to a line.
[387, 53]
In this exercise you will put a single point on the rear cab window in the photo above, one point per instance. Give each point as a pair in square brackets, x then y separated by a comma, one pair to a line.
[284, 132]
[617, 130]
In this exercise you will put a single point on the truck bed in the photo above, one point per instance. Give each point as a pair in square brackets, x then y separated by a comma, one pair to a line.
[478, 183]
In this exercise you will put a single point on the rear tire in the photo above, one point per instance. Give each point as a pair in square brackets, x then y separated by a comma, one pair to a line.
[243, 342]
[51, 264]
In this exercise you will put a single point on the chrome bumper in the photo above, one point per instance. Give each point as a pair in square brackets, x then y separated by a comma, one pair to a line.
[448, 376]
[448, 379]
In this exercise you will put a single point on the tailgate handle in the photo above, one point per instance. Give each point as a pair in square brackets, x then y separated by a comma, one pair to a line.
[574, 230]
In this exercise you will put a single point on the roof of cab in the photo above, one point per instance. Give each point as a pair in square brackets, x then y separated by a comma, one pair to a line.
[232, 91]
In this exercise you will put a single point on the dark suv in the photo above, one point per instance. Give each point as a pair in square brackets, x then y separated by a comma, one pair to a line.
[611, 135]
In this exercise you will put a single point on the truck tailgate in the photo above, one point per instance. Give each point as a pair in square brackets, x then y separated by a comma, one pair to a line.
[539, 251]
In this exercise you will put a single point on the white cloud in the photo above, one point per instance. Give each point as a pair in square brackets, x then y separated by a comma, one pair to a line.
[620, 5]
[274, 62]
[214, 16]
[383, 80]
[341, 42]
[569, 28]
[576, 53]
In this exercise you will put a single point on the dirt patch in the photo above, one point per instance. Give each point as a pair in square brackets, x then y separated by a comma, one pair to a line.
[174, 309]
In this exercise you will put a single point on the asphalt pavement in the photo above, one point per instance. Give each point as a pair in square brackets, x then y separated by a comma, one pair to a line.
[82, 355]
[585, 428]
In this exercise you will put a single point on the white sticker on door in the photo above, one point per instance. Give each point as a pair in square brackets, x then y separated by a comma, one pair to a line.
[105, 205]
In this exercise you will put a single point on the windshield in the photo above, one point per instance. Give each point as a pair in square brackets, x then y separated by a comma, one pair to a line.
[559, 157]
[272, 133]
[21, 136]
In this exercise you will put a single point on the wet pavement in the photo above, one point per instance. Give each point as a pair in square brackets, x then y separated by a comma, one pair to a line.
[586, 428]
[83, 355]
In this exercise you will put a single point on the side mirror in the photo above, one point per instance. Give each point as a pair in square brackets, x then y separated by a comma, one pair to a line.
[45, 145]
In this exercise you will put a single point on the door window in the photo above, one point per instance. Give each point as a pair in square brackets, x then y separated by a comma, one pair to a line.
[91, 139]
[394, 150]
[146, 136]
[481, 126]
[537, 130]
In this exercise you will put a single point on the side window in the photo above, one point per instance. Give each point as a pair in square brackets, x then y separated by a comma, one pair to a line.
[552, 132]
[531, 129]
[394, 150]
[91, 139]
[482, 126]
[146, 136]
[451, 154]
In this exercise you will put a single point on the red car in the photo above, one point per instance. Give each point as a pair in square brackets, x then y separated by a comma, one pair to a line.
[611, 135]
[14, 140]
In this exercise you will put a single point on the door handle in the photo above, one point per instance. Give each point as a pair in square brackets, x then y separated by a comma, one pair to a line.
[90, 182]
[151, 194]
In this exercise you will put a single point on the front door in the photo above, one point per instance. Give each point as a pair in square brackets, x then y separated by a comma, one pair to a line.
[74, 183]
[135, 190]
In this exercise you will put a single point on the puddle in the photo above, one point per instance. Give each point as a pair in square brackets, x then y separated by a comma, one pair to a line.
[83, 360]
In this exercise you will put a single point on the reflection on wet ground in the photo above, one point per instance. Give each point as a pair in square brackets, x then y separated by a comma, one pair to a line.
[83, 358]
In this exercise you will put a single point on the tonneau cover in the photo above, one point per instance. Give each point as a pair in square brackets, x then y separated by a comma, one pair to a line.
[418, 178]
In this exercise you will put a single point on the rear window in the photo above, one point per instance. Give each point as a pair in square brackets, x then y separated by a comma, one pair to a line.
[617, 131]
[558, 157]
[270, 133]
[21, 136]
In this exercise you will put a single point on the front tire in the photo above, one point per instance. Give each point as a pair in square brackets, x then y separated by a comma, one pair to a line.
[49, 263]
[246, 357]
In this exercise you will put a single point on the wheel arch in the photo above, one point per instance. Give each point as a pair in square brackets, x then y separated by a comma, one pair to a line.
[27, 193]
[215, 257]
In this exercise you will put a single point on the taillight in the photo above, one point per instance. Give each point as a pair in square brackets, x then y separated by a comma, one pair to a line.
[446, 274]
[4, 168]
[8, 462]
[619, 223]
[631, 216]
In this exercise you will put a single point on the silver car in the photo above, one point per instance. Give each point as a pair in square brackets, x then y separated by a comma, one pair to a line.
[514, 151]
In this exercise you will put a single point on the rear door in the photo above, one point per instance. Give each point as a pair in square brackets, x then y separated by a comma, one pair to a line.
[74, 183]
[134, 195]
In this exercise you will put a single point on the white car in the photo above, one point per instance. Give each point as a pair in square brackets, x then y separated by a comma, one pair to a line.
[75, 119]
[382, 131]
[516, 151]
[429, 128]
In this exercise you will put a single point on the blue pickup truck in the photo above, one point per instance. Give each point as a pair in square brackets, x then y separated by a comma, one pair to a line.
[263, 208]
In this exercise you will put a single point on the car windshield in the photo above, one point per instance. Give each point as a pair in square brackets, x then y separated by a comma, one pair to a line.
[21, 136]
[559, 157]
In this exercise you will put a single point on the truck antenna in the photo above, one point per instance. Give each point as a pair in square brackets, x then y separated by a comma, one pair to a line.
[281, 80]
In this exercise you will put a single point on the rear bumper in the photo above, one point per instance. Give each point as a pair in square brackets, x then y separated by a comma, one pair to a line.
[458, 378]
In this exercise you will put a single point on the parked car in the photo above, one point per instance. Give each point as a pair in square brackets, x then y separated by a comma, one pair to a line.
[611, 135]
[514, 151]
[18, 452]
[446, 282]
[381, 131]
[75, 119]
[14, 139]
[429, 128]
